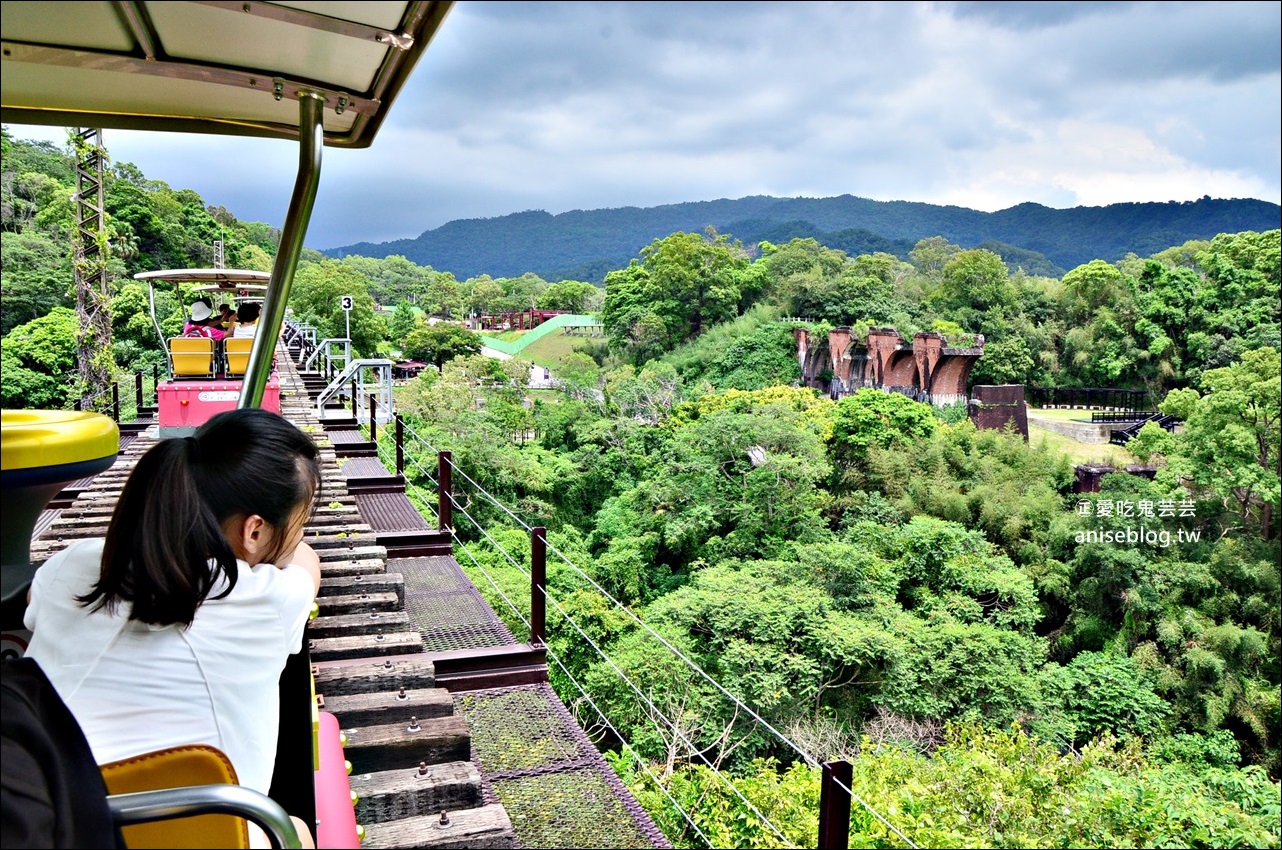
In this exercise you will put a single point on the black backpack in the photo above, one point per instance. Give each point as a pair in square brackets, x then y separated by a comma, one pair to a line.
[52, 793]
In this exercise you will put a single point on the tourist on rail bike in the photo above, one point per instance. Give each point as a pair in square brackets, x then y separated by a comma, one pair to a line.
[174, 629]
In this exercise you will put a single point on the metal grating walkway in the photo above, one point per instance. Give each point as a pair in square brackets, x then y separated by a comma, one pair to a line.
[362, 467]
[446, 607]
[340, 438]
[533, 757]
[390, 512]
[537, 762]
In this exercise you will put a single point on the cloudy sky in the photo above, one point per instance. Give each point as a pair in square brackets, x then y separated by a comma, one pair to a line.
[561, 106]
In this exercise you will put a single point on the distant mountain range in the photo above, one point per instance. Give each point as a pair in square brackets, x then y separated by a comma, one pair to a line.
[586, 244]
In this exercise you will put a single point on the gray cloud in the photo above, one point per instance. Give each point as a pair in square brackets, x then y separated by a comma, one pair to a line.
[563, 106]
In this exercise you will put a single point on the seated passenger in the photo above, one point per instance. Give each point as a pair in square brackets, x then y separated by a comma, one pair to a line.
[174, 629]
[226, 317]
[247, 321]
[200, 323]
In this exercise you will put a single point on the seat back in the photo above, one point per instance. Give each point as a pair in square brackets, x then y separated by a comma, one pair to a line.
[176, 767]
[191, 357]
[237, 350]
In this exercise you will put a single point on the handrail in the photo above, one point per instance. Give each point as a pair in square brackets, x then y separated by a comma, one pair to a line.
[324, 346]
[351, 372]
[167, 803]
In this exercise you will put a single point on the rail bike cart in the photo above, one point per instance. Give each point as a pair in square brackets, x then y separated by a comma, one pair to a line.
[206, 377]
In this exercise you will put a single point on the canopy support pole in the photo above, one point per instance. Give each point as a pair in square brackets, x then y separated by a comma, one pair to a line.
[311, 139]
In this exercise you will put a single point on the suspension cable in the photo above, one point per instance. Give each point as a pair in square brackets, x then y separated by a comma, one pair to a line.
[510, 559]
[810, 760]
[671, 724]
[873, 812]
[485, 493]
[423, 498]
[484, 572]
[806, 757]
[426, 474]
[416, 436]
[635, 755]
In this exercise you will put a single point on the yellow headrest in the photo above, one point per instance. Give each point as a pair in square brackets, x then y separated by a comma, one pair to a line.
[35, 438]
[197, 344]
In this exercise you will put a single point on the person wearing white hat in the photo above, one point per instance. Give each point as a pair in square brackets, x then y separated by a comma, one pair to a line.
[199, 323]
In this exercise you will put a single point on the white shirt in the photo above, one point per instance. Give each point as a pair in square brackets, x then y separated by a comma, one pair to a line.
[243, 331]
[136, 688]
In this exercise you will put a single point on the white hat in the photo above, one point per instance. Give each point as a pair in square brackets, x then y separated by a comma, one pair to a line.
[199, 311]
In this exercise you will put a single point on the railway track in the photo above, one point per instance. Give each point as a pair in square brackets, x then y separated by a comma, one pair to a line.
[410, 751]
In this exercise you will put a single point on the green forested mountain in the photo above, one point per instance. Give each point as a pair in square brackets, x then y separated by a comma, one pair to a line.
[581, 243]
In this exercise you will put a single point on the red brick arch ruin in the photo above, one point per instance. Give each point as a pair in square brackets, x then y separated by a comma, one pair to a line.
[928, 369]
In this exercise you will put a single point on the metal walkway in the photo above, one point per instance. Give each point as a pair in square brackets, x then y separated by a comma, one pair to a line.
[532, 757]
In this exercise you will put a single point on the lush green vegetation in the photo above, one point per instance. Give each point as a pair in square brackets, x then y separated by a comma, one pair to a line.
[874, 577]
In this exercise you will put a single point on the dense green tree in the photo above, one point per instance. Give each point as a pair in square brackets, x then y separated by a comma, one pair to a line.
[1006, 361]
[932, 255]
[393, 279]
[483, 294]
[443, 296]
[578, 374]
[439, 343]
[1230, 441]
[317, 297]
[35, 277]
[40, 361]
[870, 418]
[402, 322]
[573, 295]
[973, 282]
[683, 284]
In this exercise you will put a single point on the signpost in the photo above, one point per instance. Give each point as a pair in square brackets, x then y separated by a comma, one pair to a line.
[347, 313]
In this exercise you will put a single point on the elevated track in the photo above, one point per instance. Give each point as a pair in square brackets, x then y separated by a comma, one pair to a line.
[454, 736]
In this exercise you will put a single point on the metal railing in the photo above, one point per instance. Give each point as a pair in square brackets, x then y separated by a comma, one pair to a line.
[836, 776]
[124, 407]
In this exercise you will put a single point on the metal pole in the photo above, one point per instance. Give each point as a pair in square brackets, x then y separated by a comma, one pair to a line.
[373, 421]
[400, 446]
[138, 392]
[834, 806]
[115, 402]
[353, 396]
[444, 496]
[538, 585]
[311, 139]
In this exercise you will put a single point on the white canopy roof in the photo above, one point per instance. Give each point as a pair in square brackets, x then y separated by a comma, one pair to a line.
[216, 278]
[229, 68]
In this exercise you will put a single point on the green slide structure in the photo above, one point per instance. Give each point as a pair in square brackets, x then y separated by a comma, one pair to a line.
[530, 337]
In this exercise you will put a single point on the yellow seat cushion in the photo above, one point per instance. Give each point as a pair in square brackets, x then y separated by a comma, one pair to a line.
[237, 351]
[177, 767]
[191, 357]
[33, 438]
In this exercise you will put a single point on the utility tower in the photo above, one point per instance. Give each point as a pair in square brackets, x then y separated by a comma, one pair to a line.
[93, 300]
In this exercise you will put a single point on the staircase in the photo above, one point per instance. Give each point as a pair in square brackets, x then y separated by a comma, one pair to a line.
[1122, 436]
